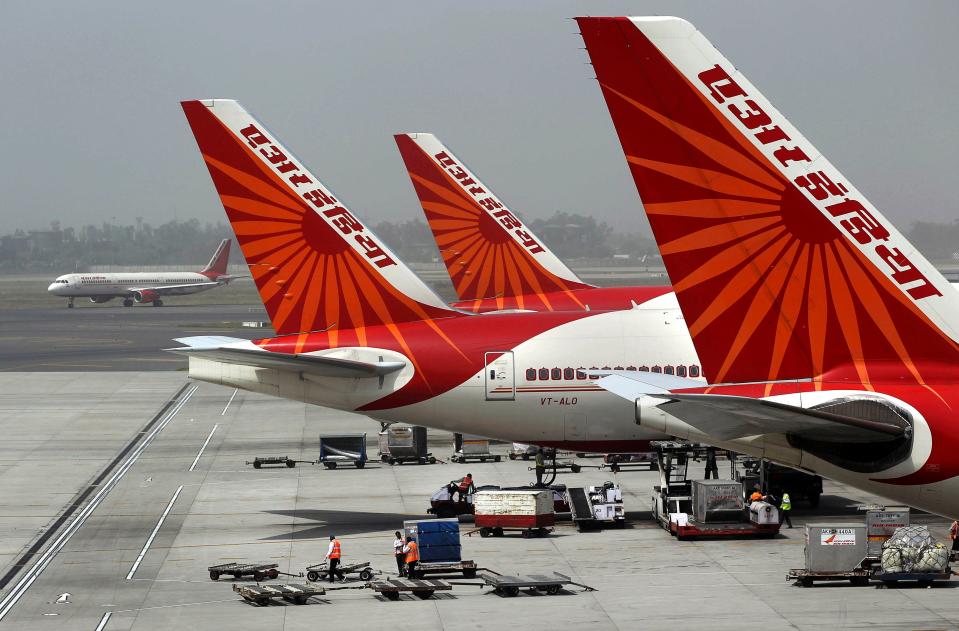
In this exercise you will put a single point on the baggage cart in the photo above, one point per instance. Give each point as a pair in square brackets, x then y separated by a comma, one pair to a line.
[321, 571]
[261, 595]
[345, 448]
[593, 506]
[475, 448]
[466, 568]
[881, 523]
[806, 578]
[437, 542]
[423, 589]
[402, 444]
[510, 586]
[258, 571]
[280, 461]
[442, 506]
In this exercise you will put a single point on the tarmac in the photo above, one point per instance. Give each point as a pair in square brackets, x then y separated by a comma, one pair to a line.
[121, 488]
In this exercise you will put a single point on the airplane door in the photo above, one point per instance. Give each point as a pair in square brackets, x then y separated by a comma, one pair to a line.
[500, 376]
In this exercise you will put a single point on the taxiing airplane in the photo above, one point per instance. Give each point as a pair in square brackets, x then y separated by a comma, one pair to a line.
[829, 341]
[494, 260]
[146, 287]
[359, 331]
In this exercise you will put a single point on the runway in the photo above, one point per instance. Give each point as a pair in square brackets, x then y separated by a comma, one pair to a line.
[189, 500]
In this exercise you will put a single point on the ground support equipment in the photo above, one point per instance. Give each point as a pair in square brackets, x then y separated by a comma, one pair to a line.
[472, 448]
[466, 568]
[321, 571]
[263, 461]
[806, 578]
[258, 571]
[505, 585]
[343, 448]
[590, 507]
[499, 531]
[423, 589]
[924, 579]
[262, 594]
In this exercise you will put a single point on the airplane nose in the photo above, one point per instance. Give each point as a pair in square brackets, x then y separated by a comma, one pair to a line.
[52, 288]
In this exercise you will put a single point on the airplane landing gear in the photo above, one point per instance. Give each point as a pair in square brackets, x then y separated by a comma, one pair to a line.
[70, 303]
[157, 303]
[128, 302]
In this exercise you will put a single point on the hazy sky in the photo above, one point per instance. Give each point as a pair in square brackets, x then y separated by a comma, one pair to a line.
[93, 129]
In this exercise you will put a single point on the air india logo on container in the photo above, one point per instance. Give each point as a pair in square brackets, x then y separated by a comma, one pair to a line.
[837, 537]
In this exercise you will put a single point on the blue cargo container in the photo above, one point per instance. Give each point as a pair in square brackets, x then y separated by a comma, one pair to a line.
[438, 540]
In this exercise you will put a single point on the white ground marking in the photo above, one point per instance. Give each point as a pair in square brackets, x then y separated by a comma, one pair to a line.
[156, 529]
[31, 575]
[104, 620]
[200, 453]
[227, 406]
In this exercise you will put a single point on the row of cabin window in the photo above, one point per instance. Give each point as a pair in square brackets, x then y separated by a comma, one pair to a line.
[568, 374]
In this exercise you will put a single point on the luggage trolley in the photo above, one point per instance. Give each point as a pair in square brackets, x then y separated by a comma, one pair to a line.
[262, 594]
[511, 585]
[476, 448]
[321, 571]
[258, 571]
[402, 444]
[345, 448]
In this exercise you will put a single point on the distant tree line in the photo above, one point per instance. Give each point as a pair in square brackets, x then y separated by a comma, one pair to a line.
[573, 237]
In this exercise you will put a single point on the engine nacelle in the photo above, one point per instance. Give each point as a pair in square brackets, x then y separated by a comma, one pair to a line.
[100, 299]
[145, 295]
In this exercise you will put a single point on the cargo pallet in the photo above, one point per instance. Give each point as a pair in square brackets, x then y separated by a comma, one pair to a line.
[321, 571]
[259, 571]
[806, 578]
[262, 594]
[510, 586]
[423, 589]
[923, 579]
[466, 568]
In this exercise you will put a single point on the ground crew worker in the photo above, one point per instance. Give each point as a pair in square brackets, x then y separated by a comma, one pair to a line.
[540, 466]
[784, 509]
[757, 495]
[398, 545]
[954, 535]
[711, 466]
[464, 487]
[333, 554]
[412, 557]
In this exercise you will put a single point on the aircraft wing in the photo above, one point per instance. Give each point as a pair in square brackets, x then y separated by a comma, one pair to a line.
[218, 348]
[726, 417]
[170, 289]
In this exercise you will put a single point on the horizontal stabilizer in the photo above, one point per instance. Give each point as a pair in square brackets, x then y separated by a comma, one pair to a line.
[318, 365]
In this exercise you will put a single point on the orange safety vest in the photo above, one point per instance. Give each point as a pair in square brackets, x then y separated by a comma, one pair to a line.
[336, 549]
[756, 497]
[413, 554]
[464, 484]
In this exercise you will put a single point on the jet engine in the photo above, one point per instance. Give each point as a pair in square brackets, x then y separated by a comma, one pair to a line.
[145, 295]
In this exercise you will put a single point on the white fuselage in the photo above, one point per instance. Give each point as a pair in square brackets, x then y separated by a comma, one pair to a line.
[94, 285]
[576, 412]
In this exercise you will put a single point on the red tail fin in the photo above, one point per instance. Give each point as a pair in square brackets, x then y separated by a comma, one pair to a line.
[782, 268]
[217, 265]
[316, 265]
[487, 249]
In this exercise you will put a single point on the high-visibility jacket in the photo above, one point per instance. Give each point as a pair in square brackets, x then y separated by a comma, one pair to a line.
[756, 497]
[335, 549]
[412, 554]
[954, 530]
[787, 503]
[465, 484]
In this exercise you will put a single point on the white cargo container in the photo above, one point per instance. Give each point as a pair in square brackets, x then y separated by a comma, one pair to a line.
[530, 511]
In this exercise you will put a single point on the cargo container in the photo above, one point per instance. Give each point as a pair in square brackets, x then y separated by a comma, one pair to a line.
[717, 501]
[529, 511]
[438, 540]
[835, 548]
[881, 523]
[399, 444]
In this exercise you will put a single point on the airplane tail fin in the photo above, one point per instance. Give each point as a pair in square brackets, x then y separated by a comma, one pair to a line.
[217, 265]
[315, 264]
[487, 249]
[782, 268]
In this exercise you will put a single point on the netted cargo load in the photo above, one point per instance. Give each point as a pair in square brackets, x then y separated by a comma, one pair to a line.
[912, 549]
